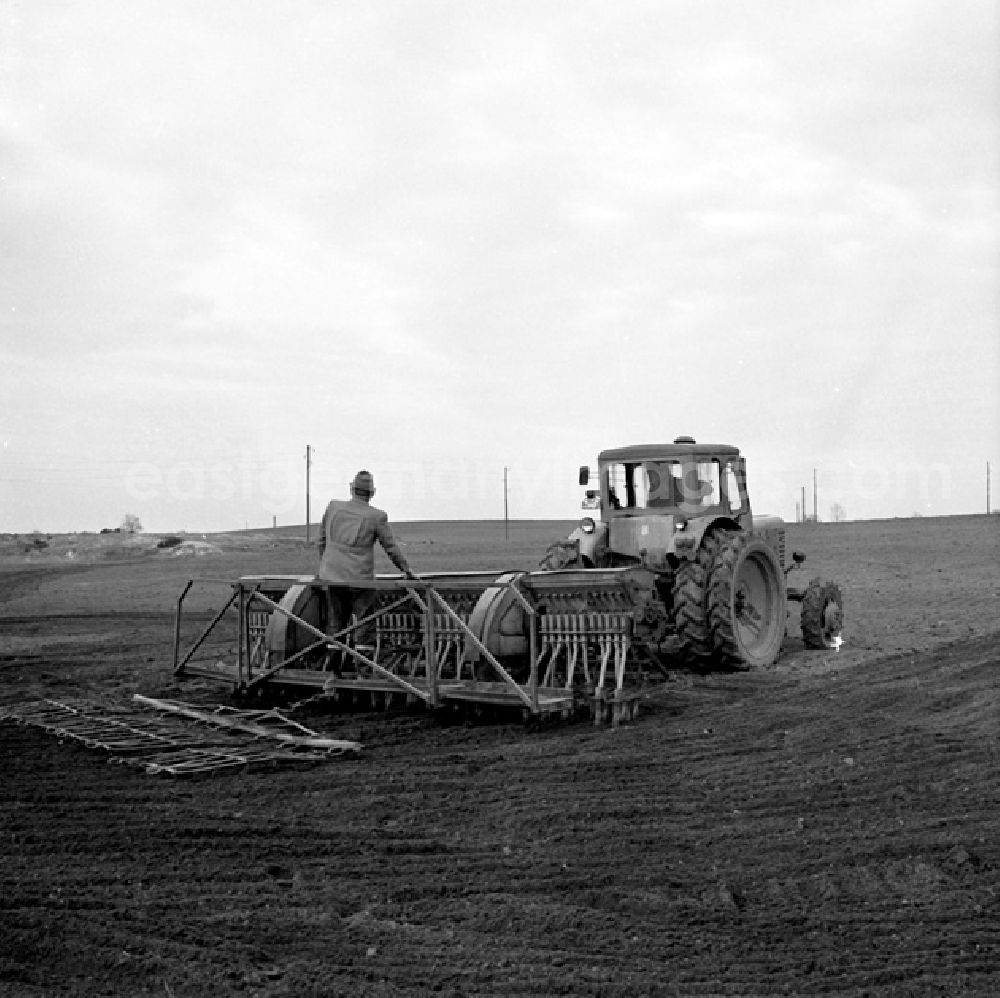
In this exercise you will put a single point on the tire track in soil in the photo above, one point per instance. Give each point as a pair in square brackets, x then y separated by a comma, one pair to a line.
[755, 834]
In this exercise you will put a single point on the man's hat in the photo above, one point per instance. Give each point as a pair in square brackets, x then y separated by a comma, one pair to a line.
[363, 484]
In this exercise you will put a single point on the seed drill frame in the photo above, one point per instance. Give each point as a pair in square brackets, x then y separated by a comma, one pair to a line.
[432, 645]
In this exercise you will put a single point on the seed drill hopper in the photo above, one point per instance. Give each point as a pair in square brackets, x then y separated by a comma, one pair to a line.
[668, 569]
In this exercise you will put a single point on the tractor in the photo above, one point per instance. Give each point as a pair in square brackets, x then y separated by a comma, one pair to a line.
[682, 511]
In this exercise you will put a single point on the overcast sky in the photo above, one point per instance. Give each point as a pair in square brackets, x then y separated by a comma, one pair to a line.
[438, 239]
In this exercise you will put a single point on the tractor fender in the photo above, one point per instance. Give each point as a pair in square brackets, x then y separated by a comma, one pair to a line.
[771, 530]
[686, 542]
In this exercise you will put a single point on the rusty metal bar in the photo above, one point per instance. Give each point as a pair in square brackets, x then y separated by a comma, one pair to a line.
[532, 642]
[179, 667]
[242, 637]
[431, 653]
[307, 739]
[177, 623]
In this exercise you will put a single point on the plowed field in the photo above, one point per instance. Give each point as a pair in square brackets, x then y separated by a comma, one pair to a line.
[826, 826]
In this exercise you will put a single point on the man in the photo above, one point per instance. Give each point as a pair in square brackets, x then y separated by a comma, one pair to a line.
[347, 539]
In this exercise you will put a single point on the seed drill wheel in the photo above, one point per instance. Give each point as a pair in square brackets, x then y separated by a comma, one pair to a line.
[746, 602]
[822, 614]
[498, 621]
[284, 637]
[690, 600]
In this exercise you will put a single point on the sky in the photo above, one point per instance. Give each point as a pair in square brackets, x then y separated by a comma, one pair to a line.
[459, 243]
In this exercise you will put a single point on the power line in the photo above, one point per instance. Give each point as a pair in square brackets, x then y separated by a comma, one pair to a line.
[506, 531]
[308, 465]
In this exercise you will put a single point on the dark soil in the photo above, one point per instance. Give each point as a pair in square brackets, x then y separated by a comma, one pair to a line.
[811, 829]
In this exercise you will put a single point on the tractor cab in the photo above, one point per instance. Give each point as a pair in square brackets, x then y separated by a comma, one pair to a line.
[651, 494]
[657, 483]
[680, 514]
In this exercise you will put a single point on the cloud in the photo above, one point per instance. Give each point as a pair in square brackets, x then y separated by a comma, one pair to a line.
[507, 233]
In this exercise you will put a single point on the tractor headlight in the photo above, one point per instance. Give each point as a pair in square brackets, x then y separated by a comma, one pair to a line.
[680, 524]
[587, 525]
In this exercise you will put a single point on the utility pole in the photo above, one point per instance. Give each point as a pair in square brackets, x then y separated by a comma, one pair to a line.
[506, 528]
[308, 465]
[815, 500]
[805, 514]
[987, 486]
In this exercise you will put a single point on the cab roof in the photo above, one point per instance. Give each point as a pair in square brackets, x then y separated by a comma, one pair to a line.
[665, 452]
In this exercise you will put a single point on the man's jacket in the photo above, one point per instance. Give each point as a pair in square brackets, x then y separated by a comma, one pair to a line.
[347, 539]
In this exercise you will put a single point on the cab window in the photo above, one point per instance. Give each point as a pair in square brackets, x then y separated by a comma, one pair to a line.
[700, 485]
[627, 487]
[732, 479]
[683, 484]
[663, 480]
[616, 483]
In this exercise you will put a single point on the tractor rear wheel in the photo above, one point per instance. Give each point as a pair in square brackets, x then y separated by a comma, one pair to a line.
[822, 614]
[746, 602]
[690, 601]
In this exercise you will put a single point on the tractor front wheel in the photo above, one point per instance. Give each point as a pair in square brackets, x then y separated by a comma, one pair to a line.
[746, 603]
[822, 614]
[562, 554]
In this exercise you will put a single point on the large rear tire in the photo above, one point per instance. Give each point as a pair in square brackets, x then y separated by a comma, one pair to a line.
[690, 600]
[746, 603]
[822, 614]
